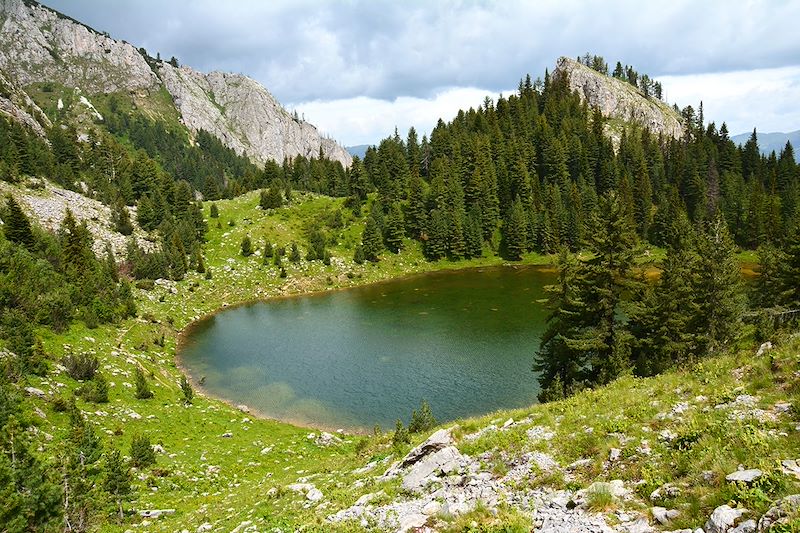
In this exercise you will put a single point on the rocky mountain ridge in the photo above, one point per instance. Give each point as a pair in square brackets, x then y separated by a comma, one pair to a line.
[619, 100]
[40, 45]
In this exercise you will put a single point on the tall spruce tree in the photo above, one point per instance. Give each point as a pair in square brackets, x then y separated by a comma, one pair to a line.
[16, 226]
[719, 288]
[371, 241]
[118, 479]
[588, 334]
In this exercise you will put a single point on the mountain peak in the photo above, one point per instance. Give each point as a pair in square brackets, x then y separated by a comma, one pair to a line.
[39, 45]
[619, 100]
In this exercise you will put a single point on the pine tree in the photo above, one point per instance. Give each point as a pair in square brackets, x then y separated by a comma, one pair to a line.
[142, 453]
[400, 436]
[789, 269]
[214, 213]
[394, 228]
[416, 214]
[435, 245]
[371, 240]
[358, 255]
[118, 479]
[186, 389]
[143, 391]
[664, 316]
[16, 226]
[473, 234]
[560, 368]
[422, 420]
[719, 287]
[294, 253]
[266, 255]
[515, 232]
[247, 246]
[587, 341]
[121, 219]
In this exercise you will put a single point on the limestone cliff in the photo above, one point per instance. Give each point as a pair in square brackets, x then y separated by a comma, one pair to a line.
[16, 104]
[244, 115]
[40, 45]
[620, 100]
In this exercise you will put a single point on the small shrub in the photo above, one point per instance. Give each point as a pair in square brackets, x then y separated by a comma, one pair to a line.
[358, 255]
[60, 404]
[145, 284]
[422, 420]
[143, 391]
[247, 246]
[401, 435]
[214, 211]
[142, 454]
[599, 497]
[186, 388]
[294, 255]
[361, 446]
[95, 391]
[81, 366]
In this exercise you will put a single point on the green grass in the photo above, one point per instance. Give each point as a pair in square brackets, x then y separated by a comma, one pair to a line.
[226, 480]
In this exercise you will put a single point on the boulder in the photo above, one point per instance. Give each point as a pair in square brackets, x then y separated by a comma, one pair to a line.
[748, 526]
[664, 516]
[723, 519]
[33, 391]
[436, 441]
[763, 348]
[744, 476]
[791, 467]
[444, 461]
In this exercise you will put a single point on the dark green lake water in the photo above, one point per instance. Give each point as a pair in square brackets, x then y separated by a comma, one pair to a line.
[463, 340]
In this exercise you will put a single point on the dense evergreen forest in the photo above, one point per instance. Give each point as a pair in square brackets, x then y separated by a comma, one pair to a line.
[530, 172]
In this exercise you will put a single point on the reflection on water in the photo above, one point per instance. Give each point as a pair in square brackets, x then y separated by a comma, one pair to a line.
[463, 340]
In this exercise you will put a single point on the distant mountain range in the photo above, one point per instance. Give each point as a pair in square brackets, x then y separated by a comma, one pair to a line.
[768, 142]
[361, 149]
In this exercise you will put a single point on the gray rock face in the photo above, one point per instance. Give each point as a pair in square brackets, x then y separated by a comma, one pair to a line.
[38, 44]
[618, 99]
[244, 115]
[15, 103]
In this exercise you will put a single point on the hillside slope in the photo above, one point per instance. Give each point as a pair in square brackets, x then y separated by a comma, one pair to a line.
[39, 46]
[613, 459]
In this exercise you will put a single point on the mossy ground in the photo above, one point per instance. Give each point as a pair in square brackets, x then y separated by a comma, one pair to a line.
[225, 481]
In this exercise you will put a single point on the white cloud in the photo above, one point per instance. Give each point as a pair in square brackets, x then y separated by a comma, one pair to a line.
[364, 120]
[331, 54]
[762, 98]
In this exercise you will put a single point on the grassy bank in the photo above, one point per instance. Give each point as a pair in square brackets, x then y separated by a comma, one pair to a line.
[224, 467]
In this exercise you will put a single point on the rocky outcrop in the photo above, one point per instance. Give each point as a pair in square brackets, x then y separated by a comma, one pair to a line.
[48, 204]
[619, 100]
[39, 45]
[244, 115]
[16, 104]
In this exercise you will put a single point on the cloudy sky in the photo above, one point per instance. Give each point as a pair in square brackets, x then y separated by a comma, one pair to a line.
[357, 69]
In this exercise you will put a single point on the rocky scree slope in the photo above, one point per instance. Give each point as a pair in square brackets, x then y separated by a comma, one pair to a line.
[620, 100]
[40, 45]
[48, 203]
